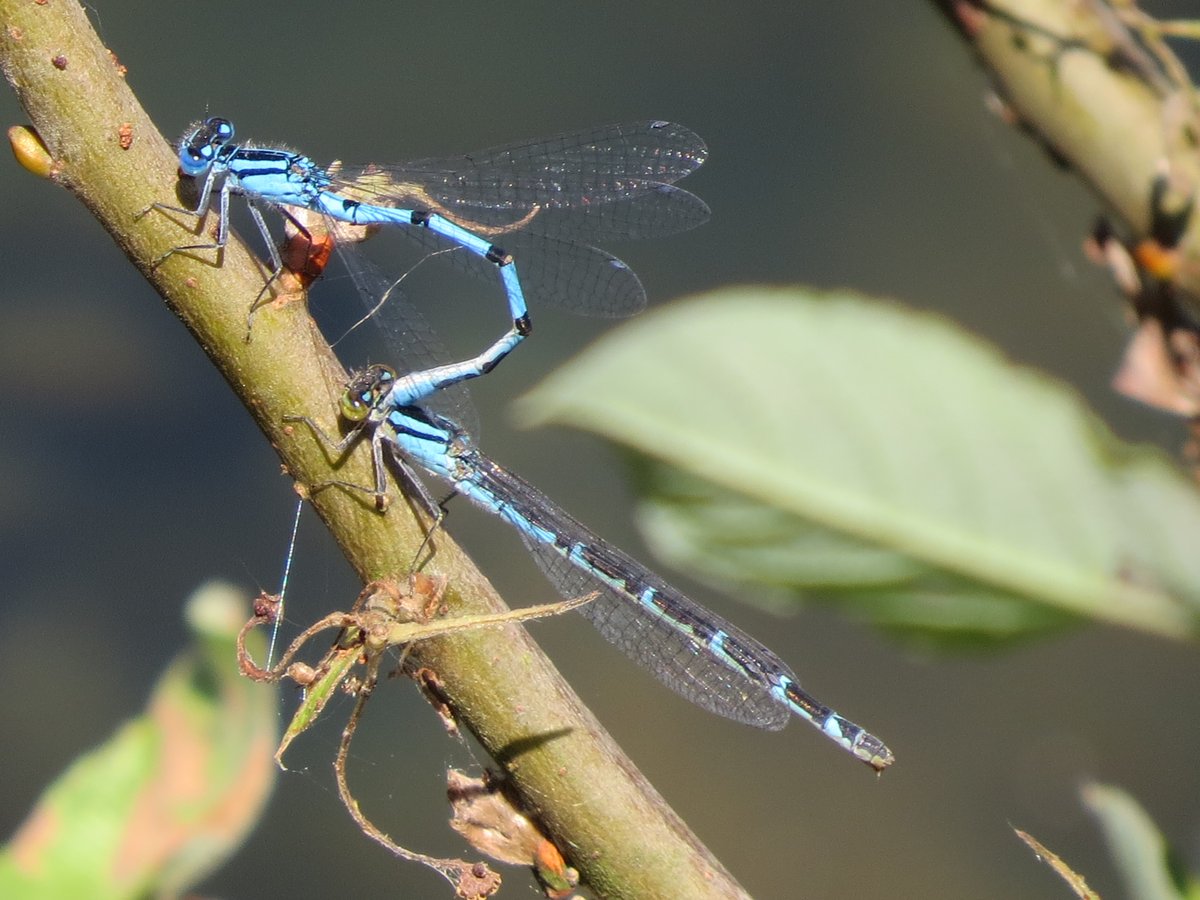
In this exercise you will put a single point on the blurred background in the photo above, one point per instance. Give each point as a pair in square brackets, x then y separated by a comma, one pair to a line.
[849, 147]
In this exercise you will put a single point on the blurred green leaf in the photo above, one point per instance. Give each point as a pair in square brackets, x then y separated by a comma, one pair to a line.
[1147, 866]
[172, 794]
[837, 445]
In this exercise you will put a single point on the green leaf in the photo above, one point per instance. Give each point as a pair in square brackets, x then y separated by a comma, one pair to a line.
[339, 662]
[172, 794]
[835, 445]
[1147, 866]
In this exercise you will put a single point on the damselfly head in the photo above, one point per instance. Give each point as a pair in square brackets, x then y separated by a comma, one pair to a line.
[364, 391]
[202, 143]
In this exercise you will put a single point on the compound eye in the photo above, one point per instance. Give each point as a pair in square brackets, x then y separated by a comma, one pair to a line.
[222, 129]
[193, 160]
[352, 406]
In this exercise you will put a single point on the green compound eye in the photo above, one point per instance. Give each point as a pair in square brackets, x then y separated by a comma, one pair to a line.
[354, 406]
[365, 389]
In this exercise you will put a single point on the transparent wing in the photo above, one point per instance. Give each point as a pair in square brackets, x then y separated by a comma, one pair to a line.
[546, 202]
[684, 645]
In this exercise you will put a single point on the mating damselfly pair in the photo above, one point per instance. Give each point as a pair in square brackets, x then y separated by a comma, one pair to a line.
[525, 213]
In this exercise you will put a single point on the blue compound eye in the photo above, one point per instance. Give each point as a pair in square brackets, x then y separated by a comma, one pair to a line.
[220, 130]
[194, 158]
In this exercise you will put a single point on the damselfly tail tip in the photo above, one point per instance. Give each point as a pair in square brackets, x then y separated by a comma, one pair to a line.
[874, 752]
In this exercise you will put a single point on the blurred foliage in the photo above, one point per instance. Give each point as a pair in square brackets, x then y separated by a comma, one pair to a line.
[841, 447]
[172, 794]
